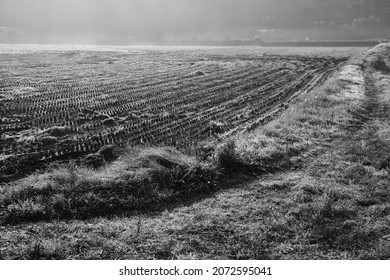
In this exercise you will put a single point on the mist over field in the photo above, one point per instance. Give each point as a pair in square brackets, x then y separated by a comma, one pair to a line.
[177, 21]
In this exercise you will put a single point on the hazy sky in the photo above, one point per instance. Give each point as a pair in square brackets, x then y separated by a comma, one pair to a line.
[129, 15]
[158, 20]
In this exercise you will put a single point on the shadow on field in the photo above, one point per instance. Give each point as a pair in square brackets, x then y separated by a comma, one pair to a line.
[147, 181]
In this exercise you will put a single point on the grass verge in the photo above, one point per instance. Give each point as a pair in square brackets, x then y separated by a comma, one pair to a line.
[144, 180]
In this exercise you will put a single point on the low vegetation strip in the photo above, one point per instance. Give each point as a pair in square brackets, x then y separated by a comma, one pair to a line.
[141, 180]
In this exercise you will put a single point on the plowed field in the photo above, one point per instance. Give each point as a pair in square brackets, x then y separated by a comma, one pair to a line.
[64, 104]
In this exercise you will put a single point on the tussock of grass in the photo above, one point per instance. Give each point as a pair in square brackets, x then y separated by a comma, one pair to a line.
[379, 64]
[148, 179]
[226, 157]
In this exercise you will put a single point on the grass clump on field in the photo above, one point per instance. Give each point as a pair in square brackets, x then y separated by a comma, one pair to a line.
[379, 64]
[226, 157]
[149, 179]
[58, 131]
